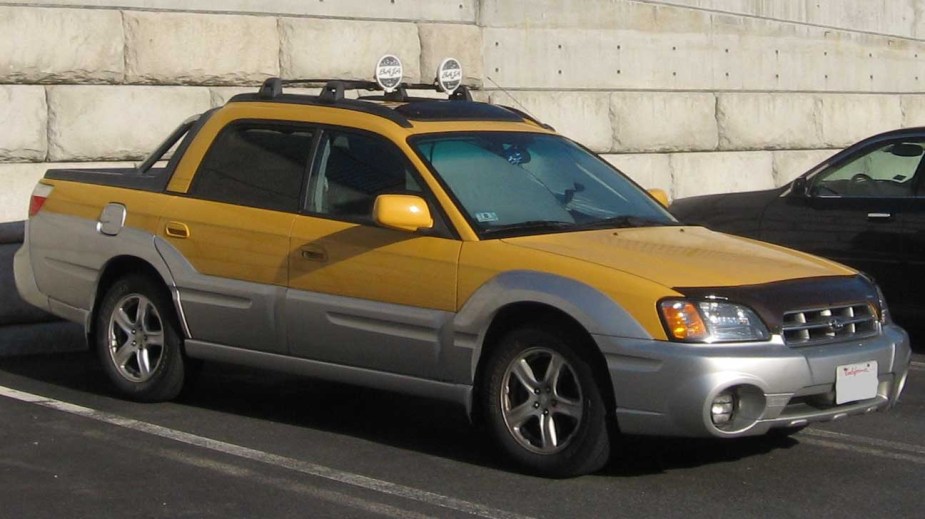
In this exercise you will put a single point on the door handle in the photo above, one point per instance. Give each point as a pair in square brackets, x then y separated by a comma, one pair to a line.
[880, 217]
[313, 253]
[177, 230]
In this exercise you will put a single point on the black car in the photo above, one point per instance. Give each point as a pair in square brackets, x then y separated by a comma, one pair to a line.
[864, 207]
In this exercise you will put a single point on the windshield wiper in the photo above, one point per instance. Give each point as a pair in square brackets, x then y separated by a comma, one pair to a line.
[622, 221]
[529, 225]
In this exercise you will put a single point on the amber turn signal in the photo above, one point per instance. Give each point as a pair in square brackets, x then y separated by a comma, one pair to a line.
[683, 321]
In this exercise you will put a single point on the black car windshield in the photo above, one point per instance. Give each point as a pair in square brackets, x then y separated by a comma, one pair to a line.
[512, 184]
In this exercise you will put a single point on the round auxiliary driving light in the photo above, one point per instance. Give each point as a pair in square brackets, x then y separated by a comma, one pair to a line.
[389, 73]
[449, 75]
[723, 409]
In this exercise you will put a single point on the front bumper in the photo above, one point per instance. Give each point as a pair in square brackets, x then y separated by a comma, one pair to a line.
[664, 388]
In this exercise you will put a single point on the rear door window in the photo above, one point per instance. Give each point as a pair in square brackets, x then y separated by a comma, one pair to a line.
[260, 165]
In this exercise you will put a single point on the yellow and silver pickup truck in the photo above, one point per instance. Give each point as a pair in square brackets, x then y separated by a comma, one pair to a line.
[457, 250]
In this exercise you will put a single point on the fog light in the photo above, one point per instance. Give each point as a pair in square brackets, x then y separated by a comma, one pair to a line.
[723, 409]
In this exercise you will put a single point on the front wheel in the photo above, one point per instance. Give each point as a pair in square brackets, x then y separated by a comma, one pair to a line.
[138, 342]
[543, 405]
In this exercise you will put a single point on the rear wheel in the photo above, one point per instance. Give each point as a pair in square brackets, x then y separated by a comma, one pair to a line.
[138, 341]
[543, 405]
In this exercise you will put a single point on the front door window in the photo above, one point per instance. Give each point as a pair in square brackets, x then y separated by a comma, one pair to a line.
[886, 172]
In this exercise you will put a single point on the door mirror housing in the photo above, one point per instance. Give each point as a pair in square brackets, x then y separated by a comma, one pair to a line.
[660, 195]
[402, 212]
[799, 187]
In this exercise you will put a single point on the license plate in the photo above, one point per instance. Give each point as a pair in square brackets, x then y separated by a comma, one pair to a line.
[855, 382]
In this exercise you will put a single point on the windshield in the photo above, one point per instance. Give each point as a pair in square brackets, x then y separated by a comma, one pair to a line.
[511, 184]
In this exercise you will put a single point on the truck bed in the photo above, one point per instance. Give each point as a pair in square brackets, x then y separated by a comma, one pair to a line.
[154, 180]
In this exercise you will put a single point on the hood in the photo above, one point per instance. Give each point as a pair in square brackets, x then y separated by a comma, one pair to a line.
[738, 213]
[684, 256]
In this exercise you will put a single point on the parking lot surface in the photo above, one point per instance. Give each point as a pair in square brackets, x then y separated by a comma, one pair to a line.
[248, 443]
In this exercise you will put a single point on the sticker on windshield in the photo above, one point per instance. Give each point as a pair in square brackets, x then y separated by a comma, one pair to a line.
[486, 217]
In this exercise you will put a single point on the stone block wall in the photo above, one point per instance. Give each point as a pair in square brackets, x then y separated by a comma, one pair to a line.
[693, 96]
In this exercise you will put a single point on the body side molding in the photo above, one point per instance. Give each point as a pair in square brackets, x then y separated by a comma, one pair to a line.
[456, 393]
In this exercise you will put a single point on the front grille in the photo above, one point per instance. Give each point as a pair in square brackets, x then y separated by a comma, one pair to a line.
[832, 324]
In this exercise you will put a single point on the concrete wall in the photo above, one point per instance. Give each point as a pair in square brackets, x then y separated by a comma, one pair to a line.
[694, 96]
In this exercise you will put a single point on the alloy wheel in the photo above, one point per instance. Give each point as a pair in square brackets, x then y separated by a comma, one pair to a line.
[541, 400]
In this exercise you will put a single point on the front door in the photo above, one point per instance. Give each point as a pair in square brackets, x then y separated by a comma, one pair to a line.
[362, 295]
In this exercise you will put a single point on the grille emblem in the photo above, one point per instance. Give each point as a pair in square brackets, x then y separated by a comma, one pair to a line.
[836, 324]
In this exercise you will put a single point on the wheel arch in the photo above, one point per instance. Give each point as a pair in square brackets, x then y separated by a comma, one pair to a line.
[523, 313]
[516, 298]
[117, 268]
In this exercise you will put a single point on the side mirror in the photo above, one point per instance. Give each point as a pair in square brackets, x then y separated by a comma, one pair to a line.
[907, 150]
[402, 212]
[660, 195]
[800, 187]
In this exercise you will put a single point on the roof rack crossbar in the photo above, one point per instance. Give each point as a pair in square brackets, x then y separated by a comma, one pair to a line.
[271, 88]
[461, 94]
[332, 90]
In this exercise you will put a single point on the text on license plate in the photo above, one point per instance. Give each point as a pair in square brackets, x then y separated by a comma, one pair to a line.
[855, 382]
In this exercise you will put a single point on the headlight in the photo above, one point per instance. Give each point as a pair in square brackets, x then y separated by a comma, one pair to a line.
[711, 321]
[884, 310]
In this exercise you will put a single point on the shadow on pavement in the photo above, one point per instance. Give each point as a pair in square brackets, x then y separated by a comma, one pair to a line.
[917, 337]
[413, 423]
[639, 455]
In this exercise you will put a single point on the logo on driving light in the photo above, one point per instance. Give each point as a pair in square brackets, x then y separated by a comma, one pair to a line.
[389, 73]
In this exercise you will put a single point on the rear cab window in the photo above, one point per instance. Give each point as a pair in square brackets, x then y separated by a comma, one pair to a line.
[261, 165]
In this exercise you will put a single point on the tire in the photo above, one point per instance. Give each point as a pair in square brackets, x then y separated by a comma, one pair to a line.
[543, 405]
[138, 342]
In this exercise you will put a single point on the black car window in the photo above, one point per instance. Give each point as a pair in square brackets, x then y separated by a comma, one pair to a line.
[887, 170]
[259, 165]
[352, 170]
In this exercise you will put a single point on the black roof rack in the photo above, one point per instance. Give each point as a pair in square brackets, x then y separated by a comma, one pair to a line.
[332, 90]
[415, 108]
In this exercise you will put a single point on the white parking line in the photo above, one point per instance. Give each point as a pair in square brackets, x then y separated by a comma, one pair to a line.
[874, 442]
[917, 366]
[304, 467]
[864, 445]
[865, 450]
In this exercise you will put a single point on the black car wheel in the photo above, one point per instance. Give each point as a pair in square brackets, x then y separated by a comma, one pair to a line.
[543, 405]
[138, 341]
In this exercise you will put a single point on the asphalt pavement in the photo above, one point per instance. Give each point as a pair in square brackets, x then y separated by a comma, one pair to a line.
[249, 443]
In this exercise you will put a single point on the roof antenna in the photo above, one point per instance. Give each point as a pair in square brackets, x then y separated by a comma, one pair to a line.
[501, 88]
[523, 112]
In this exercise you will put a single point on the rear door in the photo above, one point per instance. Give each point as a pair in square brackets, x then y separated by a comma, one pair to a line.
[228, 235]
